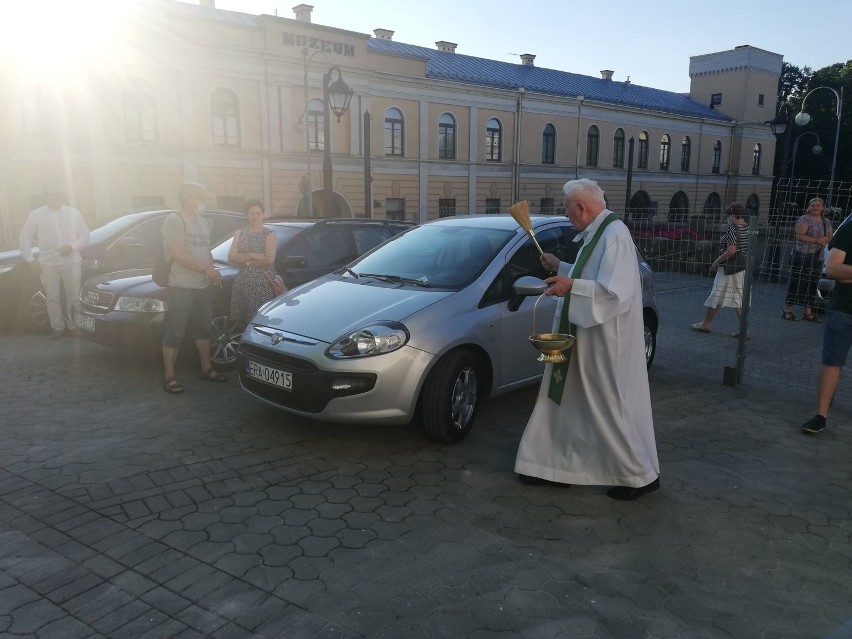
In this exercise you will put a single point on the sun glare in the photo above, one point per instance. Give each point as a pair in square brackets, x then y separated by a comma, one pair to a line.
[53, 38]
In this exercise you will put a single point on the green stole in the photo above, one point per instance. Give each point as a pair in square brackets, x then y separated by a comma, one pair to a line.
[560, 370]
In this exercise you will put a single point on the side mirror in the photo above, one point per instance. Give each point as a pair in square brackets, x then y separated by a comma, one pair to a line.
[529, 285]
[524, 287]
[293, 261]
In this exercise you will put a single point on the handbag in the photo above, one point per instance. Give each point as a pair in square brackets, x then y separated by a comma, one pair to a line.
[737, 263]
[160, 275]
[276, 283]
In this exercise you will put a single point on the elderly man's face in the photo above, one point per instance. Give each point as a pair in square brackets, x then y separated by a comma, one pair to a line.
[578, 211]
[53, 199]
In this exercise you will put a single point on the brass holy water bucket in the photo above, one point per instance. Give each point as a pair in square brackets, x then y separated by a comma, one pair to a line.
[550, 345]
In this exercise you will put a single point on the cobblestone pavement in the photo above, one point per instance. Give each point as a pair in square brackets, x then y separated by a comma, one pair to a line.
[126, 512]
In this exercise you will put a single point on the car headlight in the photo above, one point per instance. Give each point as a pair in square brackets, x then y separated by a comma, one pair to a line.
[375, 339]
[140, 305]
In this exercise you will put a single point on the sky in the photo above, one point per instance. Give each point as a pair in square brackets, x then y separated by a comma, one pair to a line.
[649, 40]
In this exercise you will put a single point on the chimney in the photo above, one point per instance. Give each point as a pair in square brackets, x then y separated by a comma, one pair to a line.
[443, 45]
[527, 59]
[303, 12]
[383, 34]
[606, 74]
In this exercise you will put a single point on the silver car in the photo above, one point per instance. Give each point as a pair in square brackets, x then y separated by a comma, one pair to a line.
[425, 326]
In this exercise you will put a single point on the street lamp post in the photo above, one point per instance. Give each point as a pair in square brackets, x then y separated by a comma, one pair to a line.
[336, 98]
[817, 149]
[802, 118]
[779, 125]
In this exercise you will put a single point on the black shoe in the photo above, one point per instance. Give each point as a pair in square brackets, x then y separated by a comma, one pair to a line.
[814, 425]
[629, 493]
[55, 335]
[529, 480]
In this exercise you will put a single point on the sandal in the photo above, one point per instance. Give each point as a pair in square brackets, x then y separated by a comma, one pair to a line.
[810, 317]
[787, 315]
[699, 326]
[213, 376]
[172, 386]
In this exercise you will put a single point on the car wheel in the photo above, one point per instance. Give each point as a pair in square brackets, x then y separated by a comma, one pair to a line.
[449, 400]
[32, 312]
[650, 344]
[224, 342]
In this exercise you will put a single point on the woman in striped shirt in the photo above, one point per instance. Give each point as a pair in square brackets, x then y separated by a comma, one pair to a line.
[728, 286]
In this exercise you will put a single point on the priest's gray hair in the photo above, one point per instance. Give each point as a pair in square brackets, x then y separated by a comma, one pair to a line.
[586, 188]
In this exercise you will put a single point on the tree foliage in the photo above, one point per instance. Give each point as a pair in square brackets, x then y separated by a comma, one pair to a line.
[796, 85]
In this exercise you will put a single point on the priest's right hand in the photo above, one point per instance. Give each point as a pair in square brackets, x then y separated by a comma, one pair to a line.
[550, 262]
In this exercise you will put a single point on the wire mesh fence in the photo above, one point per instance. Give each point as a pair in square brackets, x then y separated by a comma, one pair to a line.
[777, 352]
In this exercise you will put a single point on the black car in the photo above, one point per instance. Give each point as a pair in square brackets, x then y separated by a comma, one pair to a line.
[126, 308]
[130, 241]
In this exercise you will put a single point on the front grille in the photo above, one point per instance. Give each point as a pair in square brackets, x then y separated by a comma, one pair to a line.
[96, 298]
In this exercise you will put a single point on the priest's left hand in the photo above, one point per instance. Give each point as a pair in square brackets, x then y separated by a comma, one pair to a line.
[559, 285]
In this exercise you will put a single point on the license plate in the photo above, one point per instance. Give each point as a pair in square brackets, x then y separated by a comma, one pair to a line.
[269, 375]
[84, 322]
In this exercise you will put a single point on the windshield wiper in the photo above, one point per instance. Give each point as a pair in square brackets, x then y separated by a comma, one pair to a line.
[351, 272]
[420, 281]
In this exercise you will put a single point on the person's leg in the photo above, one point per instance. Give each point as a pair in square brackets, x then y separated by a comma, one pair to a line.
[829, 378]
[836, 342]
[178, 301]
[709, 315]
[201, 323]
[50, 278]
[71, 276]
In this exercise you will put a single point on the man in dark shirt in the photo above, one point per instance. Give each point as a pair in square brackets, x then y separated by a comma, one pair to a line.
[837, 338]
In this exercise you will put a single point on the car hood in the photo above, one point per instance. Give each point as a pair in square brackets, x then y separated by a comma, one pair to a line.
[136, 282]
[330, 307]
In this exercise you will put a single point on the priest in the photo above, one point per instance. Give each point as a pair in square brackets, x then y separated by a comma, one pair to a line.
[592, 422]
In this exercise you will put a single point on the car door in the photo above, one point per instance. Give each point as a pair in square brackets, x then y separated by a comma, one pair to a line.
[322, 249]
[141, 245]
[519, 360]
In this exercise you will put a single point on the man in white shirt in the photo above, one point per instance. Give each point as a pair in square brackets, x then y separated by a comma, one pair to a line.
[59, 232]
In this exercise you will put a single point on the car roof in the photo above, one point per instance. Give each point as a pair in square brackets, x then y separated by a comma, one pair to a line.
[502, 221]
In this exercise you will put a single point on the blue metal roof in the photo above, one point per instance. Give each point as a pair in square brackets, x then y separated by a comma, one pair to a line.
[443, 65]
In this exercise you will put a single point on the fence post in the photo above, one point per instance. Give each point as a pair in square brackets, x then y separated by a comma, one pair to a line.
[734, 376]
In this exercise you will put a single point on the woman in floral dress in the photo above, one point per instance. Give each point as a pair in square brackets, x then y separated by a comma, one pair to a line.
[253, 250]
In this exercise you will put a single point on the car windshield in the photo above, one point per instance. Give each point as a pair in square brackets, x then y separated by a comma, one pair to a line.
[436, 255]
[284, 233]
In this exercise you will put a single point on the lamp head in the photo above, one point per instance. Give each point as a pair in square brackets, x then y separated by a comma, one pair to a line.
[339, 94]
[300, 125]
[817, 149]
[779, 123]
[802, 118]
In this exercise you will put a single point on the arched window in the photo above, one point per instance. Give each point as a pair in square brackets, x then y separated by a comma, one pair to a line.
[665, 151]
[679, 207]
[447, 137]
[493, 140]
[640, 206]
[713, 205]
[225, 111]
[685, 152]
[642, 160]
[593, 138]
[753, 204]
[755, 160]
[717, 156]
[316, 125]
[140, 112]
[548, 144]
[394, 133]
[618, 149]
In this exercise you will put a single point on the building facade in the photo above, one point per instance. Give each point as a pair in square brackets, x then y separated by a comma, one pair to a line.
[236, 101]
